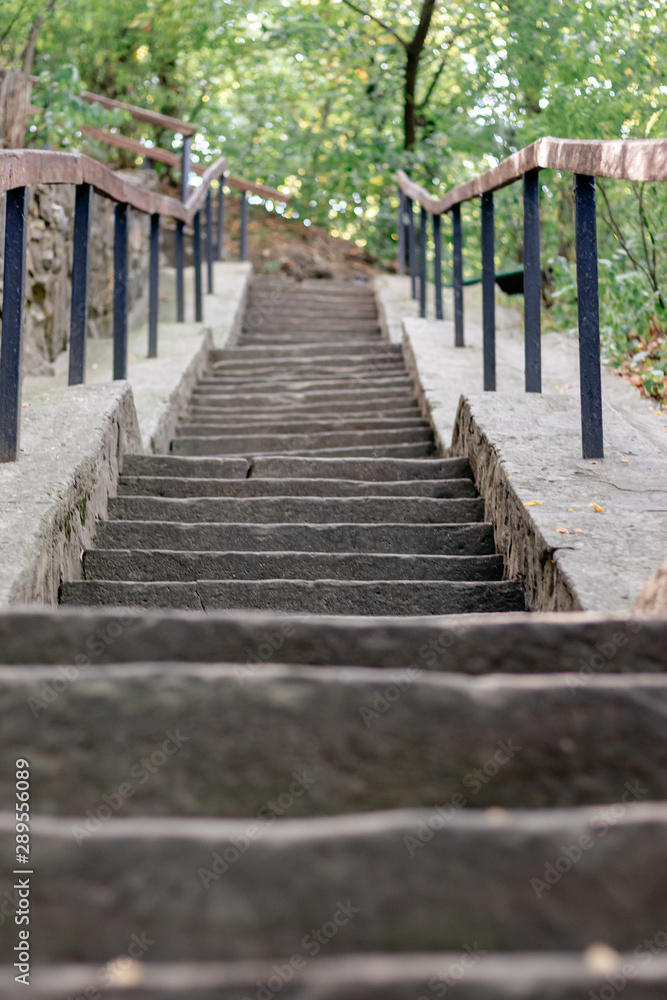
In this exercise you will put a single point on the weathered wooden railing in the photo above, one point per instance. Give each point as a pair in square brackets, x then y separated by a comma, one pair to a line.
[19, 169]
[632, 159]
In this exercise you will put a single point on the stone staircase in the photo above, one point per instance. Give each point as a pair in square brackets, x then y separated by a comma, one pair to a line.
[303, 479]
[384, 802]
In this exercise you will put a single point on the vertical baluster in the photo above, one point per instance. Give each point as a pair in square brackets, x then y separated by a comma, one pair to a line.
[120, 301]
[401, 232]
[589, 318]
[412, 250]
[185, 167]
[153, 285]
[220, 235]
[457, 242]
[243, 254]
[78, 328]
[180, 271]
[488, 293]
[13, 311]
[532, 281]
[196, 244]
[423, 219]
[209, 243]
[439, 314]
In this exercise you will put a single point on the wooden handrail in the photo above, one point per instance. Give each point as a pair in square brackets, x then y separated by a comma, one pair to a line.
[619, 159]
[24, 167]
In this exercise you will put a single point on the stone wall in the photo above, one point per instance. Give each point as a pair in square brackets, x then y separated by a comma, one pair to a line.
[49, 268]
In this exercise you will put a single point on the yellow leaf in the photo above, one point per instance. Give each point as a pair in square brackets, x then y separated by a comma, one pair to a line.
[578, 531]
[562, 530]
[533, 503]
[570, 510]
[598, 508]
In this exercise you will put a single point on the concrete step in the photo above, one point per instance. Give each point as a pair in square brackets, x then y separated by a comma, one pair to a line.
[480, 743]
[371, 348]
[192, 427]
[250, 338]
[383, 396]
[325, 381]
[329, 325]
[369, 470]
[579, 645]
[296, 363]
[178, 486]
[321, 597]
[319, 411]
[144, 566]
[476, 974]
[277, 884]
[235, 444]
[285, 509]
[395, 539]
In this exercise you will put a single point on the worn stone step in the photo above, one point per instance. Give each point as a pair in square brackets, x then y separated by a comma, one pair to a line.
[425, 450]
[355, 381]
[314, 412]
[476, 974]
[179, 486]
[369, 470]
[321, 597]
[250, 338]
[240, 735]
[146, 565]
[267, 375]
[295, 366]
[388, 881]
[394, 539]
[285, 509]
[580, 645]
[234, 444]
[329, 325]
[371, 348]
[191, 427]
[362, 395]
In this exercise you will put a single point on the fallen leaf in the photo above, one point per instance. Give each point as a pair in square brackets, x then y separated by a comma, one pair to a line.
[626, 460]
[570, 510]
[578, 531]
[25, 404]
[533, 503]
[598, 508]
[563, 531]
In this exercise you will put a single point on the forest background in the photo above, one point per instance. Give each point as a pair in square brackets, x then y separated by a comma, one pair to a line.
[327, 98]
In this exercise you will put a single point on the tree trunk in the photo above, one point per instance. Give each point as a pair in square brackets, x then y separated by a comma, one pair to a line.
[411, 71]
[14, 109]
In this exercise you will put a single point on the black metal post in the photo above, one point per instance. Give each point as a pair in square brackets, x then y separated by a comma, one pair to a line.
[220, 235]
[78, 327]
[488, 293]
[196, 245]
[439, 314]
[180, 268]
[401, 232]
[154, 285]
[148, 163]
[412, 251]
[457, 241]
[13, 308]
[423, 219]
[120, 301]
[532, 280]
[243, 253]
[209, 243]
[589, 318]
[185, 168]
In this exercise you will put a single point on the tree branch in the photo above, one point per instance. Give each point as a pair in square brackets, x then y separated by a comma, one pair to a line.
[381, 23]
[419, 38]
[433, 85]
